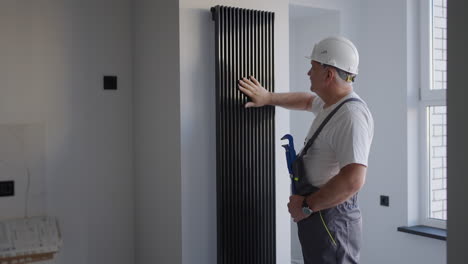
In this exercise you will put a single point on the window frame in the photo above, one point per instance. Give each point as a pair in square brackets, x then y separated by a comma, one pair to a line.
[427, 97]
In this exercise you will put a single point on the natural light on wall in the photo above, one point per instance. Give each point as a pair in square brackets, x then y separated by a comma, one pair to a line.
[437, 115]
[438, 161]
[439, 46]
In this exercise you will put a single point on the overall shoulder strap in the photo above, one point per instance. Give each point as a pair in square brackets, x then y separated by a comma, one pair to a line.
[317, 132]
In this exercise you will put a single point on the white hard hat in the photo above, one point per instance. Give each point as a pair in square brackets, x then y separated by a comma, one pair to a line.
[338, 52]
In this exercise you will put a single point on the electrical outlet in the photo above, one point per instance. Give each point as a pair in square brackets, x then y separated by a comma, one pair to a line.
[384, 200]
[7, 188]
[110, 82]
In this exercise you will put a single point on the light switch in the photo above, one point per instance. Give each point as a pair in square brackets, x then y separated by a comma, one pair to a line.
[110, 82]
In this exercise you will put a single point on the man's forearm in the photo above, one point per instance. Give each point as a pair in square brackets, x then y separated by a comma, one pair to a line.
[330, 195]
[339, 189]
[294, 101]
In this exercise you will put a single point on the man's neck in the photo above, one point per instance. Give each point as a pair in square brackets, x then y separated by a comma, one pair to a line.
[333, 98]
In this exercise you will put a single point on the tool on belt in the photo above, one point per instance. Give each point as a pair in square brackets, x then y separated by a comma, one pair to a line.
[290, 158]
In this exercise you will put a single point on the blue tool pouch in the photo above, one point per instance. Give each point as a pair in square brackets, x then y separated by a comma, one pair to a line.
[301, 183]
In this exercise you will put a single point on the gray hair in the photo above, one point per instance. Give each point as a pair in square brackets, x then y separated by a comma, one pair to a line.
[344, 75]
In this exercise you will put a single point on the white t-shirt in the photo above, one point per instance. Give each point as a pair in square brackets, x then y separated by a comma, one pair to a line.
[345, 139]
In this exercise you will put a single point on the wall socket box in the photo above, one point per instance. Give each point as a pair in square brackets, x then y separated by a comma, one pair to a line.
[110, 82]
[384, 200]
[7, 188]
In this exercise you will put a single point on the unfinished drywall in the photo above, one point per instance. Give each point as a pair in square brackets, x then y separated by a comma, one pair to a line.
[22, 160]
[54, 54]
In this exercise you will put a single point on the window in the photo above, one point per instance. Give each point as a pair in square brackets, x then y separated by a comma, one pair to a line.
[433, 112]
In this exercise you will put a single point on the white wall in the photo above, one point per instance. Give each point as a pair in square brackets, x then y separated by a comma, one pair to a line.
[386, 37]
[349, 11]
[387, 82]
[53, 56]
[197, 84]
[197, 92]
[457, 130]
[157, 155]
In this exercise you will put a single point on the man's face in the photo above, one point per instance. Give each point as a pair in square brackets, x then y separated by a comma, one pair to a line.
[316, 76]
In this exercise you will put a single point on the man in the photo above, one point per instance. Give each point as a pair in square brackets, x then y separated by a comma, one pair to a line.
[336, 162]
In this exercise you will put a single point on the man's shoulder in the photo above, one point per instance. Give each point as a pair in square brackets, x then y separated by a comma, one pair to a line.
[354, 111]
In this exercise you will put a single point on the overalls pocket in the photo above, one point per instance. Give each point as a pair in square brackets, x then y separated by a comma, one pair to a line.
[354, 237]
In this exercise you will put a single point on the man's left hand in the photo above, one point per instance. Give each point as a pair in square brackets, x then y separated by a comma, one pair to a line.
[295, 208]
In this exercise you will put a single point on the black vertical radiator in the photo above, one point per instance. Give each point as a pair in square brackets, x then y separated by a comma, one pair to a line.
[245, 151]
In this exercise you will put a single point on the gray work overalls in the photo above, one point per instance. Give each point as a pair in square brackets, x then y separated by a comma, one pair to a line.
[331, 236]
[344, 224]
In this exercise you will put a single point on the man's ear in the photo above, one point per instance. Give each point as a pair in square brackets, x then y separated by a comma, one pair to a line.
[330, 74]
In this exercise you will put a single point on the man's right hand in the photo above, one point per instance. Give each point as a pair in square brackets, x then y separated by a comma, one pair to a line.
[254, 90]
